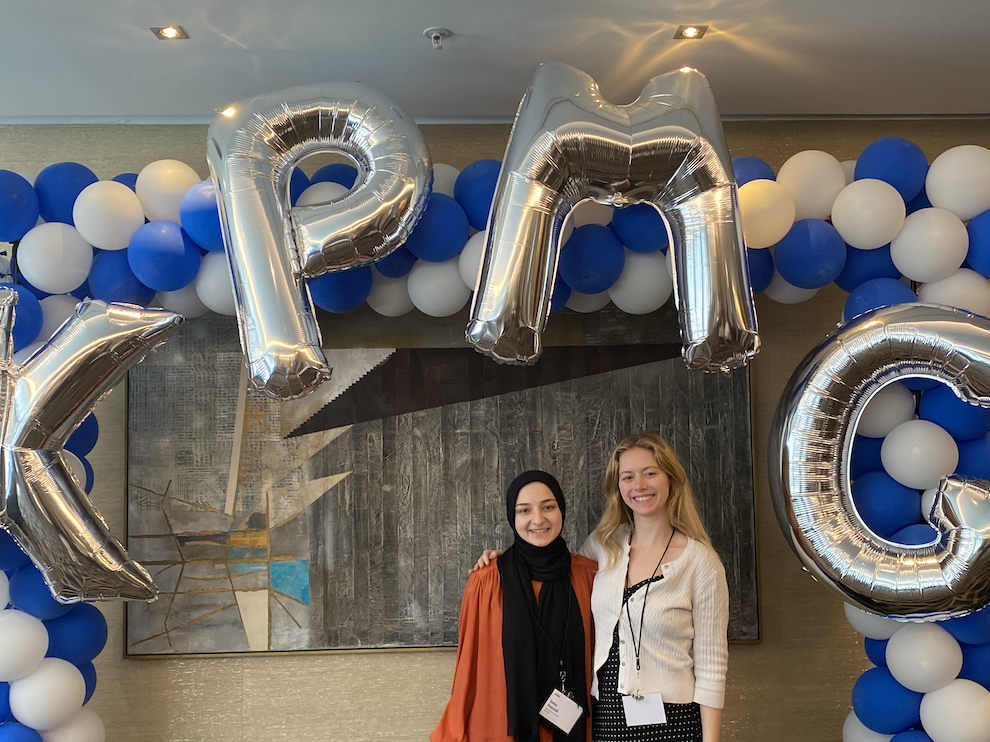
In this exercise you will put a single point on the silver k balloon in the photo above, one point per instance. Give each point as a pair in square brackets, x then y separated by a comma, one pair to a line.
[42, 504]
[810, 446]
[667, 148]
[253, 147]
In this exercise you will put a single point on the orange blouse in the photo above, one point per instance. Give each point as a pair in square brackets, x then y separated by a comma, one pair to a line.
[476, 710]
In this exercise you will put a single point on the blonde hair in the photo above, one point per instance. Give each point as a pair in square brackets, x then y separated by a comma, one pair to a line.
[681, 511]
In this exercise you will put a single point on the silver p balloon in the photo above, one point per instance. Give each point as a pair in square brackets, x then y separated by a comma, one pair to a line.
[667, 149]
[42, 504]
[253, 147]
[810, 447]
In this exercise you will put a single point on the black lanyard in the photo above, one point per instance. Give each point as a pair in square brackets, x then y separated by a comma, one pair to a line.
[567, 626]
[638, 645]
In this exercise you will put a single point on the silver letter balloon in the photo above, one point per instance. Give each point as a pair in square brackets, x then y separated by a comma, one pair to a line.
[42, 505]
[810, 446]
[666, 148]
[253, 147]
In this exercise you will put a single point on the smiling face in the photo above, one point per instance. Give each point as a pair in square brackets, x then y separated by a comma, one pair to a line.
[644, 486]
[538, 516]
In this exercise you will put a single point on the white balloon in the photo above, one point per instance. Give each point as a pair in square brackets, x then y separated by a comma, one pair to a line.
[185, 301]
[814, 178]
[469, 261]
[959, 181]
[853, 730]
[160, 187]
[670, 264]
[4, 590]
[928, 502]
[868, 213]
[321, 193]
[931, 245]
[23, 644]
[923, 657]
[54, 258]
[919, 453]
[48, 697]
[590, 212]
[783, 292]
[891, 406]
[390, 296]
[75, 466]
[644, 284]
[86, 726]
[436, 289]
[444, 177]
[957, 712]
[871, 625]
[767, 211]
[214, 284]
[56, 310]
[965, 289]
[107, 214]
[849, 168]
[587, 303]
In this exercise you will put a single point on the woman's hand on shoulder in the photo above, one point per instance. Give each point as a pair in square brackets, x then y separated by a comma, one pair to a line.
[487, 557]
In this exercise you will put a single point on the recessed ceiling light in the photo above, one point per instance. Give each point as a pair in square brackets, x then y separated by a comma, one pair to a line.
[169, 33]
[691, 31]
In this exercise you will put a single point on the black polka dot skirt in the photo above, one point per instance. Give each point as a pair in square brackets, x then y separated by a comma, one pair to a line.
[608, 718]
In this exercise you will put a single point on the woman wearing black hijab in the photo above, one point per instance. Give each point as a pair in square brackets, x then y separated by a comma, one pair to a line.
[525, 632]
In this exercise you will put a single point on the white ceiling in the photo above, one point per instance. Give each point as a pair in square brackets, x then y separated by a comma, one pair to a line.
[96, 60]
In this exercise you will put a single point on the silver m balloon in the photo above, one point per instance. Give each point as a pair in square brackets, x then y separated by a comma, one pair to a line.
[667, 148]
[810, 447]
[42, 504]
[253, 147]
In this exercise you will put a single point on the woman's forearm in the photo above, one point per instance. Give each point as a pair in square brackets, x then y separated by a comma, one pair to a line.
[711, 722]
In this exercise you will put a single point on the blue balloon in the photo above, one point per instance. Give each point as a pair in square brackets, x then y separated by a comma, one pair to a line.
[919, 202]
[4, 700]
[298, 182]
[111, 279]
[918, 534]
[876, 293]
[974, 458]
[90, 476]
[897, 161]
[19, 206]
[200, 215]
[751, 168]
[29, 593]
[865, 265]
[441, 232]
[886, 506]
[911, 735]
[640, 228]
[591, 260]
[962, 420]
[78, 636]
[27, 316]
[865, 456]
[127, 179]
[970, 629]
[474, 190]
[20, 280]
[338, 172]
[978, 256]
[760, 269]
[342, 291]
[83, 291]
[58, 186]
[976, 663]
[811, 254]
[919, 384]
[883, 704]
[561, 293]
[84, 437]
[876, 651]
[11, 556]
[397, 263]
[89, 677]
[16, 732]
[162, 256]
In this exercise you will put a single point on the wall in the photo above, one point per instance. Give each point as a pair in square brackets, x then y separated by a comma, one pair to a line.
[793, 685]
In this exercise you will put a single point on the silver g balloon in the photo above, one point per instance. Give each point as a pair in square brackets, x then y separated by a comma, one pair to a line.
[667, 148]
[253, 148]
[810, 446]
[42, 504]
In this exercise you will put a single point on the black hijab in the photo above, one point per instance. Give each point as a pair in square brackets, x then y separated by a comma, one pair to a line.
[537, 636]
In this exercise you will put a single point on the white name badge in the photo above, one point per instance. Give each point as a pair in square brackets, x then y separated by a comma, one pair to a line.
[645, 710]
[561, 711]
